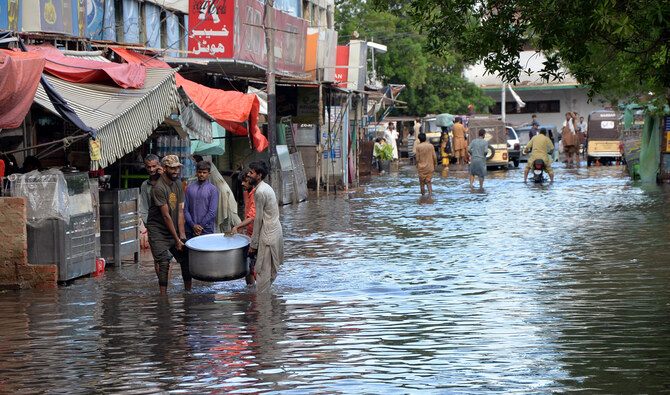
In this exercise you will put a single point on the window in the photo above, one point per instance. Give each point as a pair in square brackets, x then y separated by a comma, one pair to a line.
[540, 106]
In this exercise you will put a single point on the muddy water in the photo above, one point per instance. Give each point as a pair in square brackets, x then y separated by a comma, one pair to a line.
[513, 288]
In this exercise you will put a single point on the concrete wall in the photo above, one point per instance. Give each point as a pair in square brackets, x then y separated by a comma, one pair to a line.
[571, 99]
[15, 272]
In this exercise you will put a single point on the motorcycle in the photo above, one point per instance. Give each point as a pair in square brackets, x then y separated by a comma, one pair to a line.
[538, 171]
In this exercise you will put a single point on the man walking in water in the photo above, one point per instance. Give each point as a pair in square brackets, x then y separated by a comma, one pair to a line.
[166, 224]
[460, 145]
[478, 149]
[267, 241]
[426, 160]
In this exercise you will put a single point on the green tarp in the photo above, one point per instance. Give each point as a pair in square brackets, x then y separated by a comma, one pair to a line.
[216, 147]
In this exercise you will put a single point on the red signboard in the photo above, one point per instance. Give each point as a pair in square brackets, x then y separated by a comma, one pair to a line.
[211, 23]
[342, 73]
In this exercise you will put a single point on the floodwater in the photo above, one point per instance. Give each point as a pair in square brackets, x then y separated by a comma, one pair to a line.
[516, 288]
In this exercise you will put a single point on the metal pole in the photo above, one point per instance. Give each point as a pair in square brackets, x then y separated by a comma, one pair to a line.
[272, 95]
[503, 103]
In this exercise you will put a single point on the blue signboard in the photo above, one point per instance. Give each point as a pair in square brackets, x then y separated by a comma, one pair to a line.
[3, 15]
[95, 10]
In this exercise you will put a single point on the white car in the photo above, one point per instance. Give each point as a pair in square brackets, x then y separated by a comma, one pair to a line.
[513, 146]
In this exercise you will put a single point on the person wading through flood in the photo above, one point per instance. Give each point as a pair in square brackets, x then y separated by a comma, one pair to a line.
[460, 144]
[153, 167]
[478, 149]
[200, 203]
[267, 241]
[166, 224]
[426, 161]
[249, 217]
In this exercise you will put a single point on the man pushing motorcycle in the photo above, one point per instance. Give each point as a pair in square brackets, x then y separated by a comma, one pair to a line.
[540, 147]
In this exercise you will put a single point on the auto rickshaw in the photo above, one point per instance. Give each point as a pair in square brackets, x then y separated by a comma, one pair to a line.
[437, 134]
[603, 138]
[496, 135]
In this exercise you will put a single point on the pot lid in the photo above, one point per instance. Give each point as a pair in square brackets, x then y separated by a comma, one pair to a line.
[218, 242]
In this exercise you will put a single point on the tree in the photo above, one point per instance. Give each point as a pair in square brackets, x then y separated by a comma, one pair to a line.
[619, 49]
[434, 82]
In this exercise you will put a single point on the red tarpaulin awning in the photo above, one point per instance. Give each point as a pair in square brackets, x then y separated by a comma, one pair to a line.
[20, 74]
[230, 109]
[125, 75]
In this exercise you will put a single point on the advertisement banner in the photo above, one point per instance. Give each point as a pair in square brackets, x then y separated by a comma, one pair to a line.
[94, 12]
[3, 15]
[51, 16]
[212, 22]
[342, 73]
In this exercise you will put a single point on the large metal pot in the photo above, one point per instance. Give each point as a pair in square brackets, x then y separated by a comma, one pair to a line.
[218, 257]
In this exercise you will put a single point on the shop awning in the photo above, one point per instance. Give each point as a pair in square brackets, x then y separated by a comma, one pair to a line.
[194, 120]
[80, 70]
[124, 118]
[20, 74]
[230, 109]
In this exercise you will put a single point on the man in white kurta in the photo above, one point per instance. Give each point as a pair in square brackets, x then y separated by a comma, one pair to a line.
[267, 241]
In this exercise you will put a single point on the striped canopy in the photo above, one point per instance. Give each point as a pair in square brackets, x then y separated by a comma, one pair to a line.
[124, 118]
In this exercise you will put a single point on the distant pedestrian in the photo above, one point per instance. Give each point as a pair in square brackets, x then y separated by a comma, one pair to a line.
[478, 149]
[200, 203]
[534, 121]
[569, 136]
[411, 143]
[460, 144]
[582, 125]
[417, 127]
[533, 131]
[426, 161]
[391, 136]
[166, 224]
[267, 241]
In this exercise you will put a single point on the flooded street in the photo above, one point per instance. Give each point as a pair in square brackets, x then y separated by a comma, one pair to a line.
[516, 288]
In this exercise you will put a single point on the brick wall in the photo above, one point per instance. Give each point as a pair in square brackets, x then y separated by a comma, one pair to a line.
[15, 272]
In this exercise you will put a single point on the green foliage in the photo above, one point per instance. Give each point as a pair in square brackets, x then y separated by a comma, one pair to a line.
[433, 81]
[385, 152]
[618, 48]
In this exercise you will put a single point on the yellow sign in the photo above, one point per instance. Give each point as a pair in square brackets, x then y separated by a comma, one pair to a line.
[667, 148]
[94, 149]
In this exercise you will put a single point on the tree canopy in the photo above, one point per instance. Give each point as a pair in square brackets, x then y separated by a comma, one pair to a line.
[620, 49]
[434, 82]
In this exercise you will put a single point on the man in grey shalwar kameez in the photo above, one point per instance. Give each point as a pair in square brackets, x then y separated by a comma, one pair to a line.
[478, 149]
[267, 241]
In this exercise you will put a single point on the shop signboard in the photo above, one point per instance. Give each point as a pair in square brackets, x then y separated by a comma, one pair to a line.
[212, 23]
[290, 37]
[342, 63]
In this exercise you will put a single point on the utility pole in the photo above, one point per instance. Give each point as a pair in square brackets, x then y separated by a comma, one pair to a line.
[272, 94]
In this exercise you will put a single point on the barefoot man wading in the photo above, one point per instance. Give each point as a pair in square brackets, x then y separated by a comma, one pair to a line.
[267, 241]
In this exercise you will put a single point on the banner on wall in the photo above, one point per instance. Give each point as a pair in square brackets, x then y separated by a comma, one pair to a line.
[94, 10]
[212, 22]
[56, 16]
[342, 60]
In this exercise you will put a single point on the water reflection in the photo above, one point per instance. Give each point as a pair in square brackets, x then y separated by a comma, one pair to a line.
[513, 288]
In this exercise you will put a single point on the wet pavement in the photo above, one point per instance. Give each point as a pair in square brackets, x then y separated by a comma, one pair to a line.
[517, 288]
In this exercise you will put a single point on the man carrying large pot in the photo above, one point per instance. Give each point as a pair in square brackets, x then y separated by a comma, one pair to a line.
[166, 224]
[267, 241]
